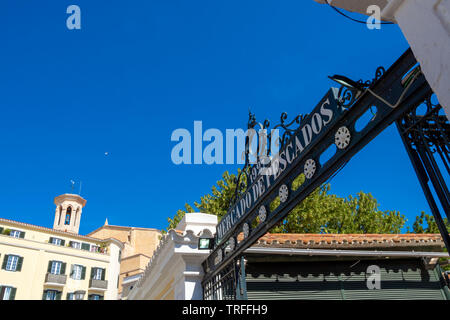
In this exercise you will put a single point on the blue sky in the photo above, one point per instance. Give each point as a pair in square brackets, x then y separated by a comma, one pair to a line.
[137, 70]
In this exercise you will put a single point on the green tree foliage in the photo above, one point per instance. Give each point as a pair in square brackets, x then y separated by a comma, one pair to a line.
[320, 212]
[425, 223]
[215, 203]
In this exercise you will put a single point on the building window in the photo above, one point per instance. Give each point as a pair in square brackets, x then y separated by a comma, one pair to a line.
[76, 245]
[68, 214]
[78, 272]
[57, 241]
[7, 293]
[77, 295]
[98, 274]
[95, 297]
[56, 267]
[52, 295]
[17, 234]
[11, 264]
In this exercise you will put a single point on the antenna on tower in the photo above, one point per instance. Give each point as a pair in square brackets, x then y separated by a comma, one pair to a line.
[73, 184]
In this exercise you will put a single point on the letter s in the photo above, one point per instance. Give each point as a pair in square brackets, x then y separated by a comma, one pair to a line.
[326, 112]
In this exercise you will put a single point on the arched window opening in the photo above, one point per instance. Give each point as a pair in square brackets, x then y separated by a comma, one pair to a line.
[76, 215]
[68, 214]
[60, 214]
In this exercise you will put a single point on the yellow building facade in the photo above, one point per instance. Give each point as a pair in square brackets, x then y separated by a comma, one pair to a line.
[139, 245]
[54, 264]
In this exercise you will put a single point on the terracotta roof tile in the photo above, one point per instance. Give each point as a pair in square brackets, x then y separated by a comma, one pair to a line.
[347, 240]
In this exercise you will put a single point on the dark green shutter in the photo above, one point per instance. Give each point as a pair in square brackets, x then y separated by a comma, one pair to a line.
[5, 261]
[1, 230]
[63, 268]
[68, 296]
[44, 294]
[90, 297]
[101, 298]
[103, 274]
[83, 272]
[19, 264]
[2, 291]
[63, 242]
[50, 240]
[12, 295]
[92, 272]
[58, 295]
[85, 246]
[22, 234]
[72, 268]
[49, 268]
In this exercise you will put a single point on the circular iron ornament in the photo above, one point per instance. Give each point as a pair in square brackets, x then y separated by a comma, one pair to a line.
[246, 230]
[283, 193]
[342, 138]
[262, 214]
[309, 168]
[232, 243]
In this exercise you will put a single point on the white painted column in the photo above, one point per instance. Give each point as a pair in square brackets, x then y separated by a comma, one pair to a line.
[426, 26]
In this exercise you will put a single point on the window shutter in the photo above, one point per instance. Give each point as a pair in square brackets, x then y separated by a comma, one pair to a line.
[103, 274]
[49, 268]
[63, 268]
[50, 240]
[19, 264]
[90, 297]
[72, 269]
[92, 272]
[12, 295]
[44, 294]
[2, 292]
[58, 295]
[5, 261]
[63, 242]
[1, 230]
[83, 272]
[85, 246]
[22, 234]
[101, 298]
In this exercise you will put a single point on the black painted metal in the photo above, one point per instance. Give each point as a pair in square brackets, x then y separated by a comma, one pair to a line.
[224, 283]
[352, 105]
[425, 137]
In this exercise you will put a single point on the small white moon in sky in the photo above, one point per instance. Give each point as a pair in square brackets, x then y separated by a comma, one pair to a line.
[106, 153]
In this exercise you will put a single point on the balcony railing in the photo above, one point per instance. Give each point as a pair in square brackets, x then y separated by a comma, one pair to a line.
[98, 284]
[55, 279]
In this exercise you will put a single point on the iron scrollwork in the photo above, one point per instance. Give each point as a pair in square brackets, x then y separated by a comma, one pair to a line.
[348, 96]
[264, 144]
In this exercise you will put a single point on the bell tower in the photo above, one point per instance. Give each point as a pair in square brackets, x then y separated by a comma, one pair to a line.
[68, 212]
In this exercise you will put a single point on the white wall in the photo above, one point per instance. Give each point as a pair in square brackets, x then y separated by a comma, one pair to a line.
[426, 26]
[176, 264]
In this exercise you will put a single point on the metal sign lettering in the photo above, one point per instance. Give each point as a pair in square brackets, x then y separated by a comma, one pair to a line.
[333, 122]
[311, 130]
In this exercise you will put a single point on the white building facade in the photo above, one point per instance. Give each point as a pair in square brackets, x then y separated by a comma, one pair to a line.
[175, 271]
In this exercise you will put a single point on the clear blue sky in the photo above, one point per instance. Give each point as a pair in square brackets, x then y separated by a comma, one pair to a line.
[137, 70]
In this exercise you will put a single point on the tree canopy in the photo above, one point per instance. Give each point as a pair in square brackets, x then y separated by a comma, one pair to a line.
[320, 212]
